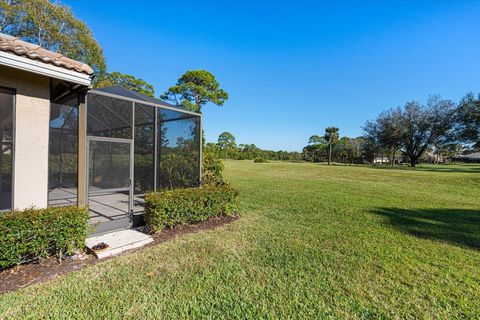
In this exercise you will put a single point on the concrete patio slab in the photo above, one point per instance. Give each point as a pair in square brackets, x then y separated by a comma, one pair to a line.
[118, 242]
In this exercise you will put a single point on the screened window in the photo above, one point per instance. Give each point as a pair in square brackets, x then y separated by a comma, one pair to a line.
[63, 153]
[109, 117]
[6, 140]
[178, 150]
[144, 146]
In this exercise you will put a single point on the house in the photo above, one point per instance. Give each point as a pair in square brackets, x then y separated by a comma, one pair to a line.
[435, 157]
[381, 160]
[387, 159]
[472, 157]
[64, 143]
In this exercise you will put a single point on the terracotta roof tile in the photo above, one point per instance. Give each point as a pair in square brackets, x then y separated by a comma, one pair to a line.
[32, 51]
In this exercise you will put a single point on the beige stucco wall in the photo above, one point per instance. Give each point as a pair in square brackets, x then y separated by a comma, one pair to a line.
[32, 114]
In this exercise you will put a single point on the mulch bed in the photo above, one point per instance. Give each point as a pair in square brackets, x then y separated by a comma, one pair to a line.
[47, 269]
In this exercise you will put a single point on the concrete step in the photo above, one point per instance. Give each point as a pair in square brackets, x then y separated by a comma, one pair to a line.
[118, 242]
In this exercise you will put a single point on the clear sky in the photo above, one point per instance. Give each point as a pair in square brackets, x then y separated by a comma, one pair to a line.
[294, 68]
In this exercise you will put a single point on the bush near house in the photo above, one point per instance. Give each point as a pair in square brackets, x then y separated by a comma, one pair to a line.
[182, 206]
[212, 169]
[31, 234]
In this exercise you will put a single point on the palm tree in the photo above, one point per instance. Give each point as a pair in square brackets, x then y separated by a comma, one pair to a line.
[331, 135]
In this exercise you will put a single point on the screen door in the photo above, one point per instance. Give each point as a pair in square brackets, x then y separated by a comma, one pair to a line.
[109, 183]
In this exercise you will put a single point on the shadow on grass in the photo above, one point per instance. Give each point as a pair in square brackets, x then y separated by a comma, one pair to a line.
[455, 226]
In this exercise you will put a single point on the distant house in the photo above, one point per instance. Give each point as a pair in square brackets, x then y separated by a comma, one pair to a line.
[385, 160]
[473, 157]
[434, 157]
[64, 143]
[381, 160]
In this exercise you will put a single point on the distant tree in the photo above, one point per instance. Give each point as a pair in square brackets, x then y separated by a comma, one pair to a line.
[315, 149]
[226, 143]
[331, 136]
[348, 150]
[308, 153]
[194, 90]
[369, 149]
[341, 150]
[467, 119]
[344, 149]
[355, 150]
[315, 139]
[371, 146]
[414, 128]
[127, 81]
[386, 131]
[248, 151]
[423, 126]
[53, 26]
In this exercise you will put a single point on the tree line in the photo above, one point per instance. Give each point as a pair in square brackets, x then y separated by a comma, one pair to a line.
[330, 147]
[412, 133]
[440, 127]
[226, 148]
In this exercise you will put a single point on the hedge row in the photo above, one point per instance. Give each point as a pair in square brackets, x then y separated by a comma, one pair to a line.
[35, 233]
[183, 206]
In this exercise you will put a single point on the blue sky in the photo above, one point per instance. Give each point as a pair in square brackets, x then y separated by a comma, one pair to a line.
[294, 68]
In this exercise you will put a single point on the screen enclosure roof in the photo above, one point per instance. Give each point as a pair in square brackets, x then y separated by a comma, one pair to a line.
[122, 93]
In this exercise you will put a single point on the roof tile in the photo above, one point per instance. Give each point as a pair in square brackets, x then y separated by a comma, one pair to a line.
[35, 52]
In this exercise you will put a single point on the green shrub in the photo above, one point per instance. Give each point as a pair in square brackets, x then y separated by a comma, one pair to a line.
[35, 233]
[259, 160]
[184, 206]
[212, 170]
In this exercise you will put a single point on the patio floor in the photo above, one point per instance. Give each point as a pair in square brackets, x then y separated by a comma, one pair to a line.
[103, 207]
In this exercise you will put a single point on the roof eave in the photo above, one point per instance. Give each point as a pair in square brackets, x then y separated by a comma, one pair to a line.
[26, 64]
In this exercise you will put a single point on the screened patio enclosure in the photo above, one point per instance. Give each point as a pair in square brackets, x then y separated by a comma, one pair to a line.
[128, 145]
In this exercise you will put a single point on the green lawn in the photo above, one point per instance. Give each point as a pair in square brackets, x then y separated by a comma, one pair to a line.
[314, 241]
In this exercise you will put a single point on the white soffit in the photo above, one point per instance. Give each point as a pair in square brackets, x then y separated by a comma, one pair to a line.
[26, 64]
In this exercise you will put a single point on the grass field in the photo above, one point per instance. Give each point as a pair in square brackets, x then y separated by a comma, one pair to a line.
[314, 241]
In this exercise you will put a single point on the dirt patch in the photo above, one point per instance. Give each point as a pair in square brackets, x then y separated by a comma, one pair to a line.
[48, 269]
